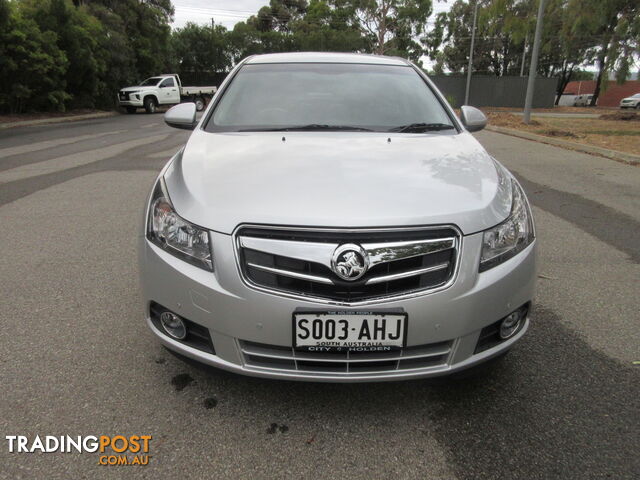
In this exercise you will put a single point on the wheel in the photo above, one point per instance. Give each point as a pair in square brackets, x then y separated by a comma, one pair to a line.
[200, 104]
[150, 104]
[638, 106]
[131, 109]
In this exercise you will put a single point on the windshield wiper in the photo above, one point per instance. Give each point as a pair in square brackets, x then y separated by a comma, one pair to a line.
[422, 127]
[310, 127]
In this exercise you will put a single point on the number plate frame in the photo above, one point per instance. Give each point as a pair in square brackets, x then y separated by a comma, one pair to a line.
[376, 314]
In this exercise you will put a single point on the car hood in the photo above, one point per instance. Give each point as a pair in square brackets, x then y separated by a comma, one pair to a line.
[337, 179]
[629, 98]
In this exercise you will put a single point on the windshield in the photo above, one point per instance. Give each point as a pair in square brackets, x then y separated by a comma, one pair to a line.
[637, 95]
[150, 82]
[307, 96]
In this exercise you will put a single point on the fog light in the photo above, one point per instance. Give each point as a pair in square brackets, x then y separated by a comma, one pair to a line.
[510, 324]
[173, 325]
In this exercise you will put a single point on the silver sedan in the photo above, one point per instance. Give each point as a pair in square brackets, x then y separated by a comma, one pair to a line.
[331, 219]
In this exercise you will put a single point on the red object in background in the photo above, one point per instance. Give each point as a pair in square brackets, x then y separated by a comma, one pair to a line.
[609, 98]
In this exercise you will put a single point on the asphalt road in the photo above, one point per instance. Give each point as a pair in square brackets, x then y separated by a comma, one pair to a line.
[76, 357]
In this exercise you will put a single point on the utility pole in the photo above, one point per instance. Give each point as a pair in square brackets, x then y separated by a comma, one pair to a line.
[524, 54]
[533, 68]
[470, 67]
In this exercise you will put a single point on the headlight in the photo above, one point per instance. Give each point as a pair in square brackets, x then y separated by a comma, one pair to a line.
[172, 233]
[503, 241]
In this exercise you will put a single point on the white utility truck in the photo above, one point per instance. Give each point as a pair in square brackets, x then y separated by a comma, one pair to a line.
[163, 90]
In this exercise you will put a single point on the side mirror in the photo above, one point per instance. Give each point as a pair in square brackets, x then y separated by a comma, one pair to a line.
[181, 116]
[472, 118]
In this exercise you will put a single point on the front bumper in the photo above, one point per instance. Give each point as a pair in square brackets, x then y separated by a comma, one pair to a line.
[236, 315]
[130, 102]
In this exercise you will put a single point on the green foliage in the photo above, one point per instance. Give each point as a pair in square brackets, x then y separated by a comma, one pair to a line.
[326, 28]
[394, 25]
[583, 75]
[32, 67]
[58, 54]
[201, 49]
[502, 29]
[614, 26]
[295, 25]
[575, 33]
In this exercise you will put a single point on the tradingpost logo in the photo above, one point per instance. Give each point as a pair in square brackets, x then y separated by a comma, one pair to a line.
[119, 450]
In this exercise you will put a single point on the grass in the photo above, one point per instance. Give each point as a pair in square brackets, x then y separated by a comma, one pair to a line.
[615, 132]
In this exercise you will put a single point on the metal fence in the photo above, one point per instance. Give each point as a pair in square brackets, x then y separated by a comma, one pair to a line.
[486, 90]
[492, 91]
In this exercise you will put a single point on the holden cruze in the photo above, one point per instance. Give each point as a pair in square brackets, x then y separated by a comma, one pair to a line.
[331, 219]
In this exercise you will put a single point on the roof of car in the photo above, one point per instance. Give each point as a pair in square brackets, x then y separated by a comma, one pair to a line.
[325, 57]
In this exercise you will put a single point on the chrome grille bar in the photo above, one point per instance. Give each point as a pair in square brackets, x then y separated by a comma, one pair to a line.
[291, 274]
[309, 251]
[320, 252]
[393, 251]
[410, 273]
[371, 281]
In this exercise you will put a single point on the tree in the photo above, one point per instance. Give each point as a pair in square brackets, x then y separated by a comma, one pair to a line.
[296, 25]
[32, 67]
[449, 41]
[326, 27]
[279, 15]
[505, 27]
[77, 33]
[201, 49]
[115, 51]
[145, 25]
[615, 27]
[394, 24]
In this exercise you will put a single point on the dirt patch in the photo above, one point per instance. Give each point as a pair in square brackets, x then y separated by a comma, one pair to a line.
[621, 116]
[508, 120]
[552, 132]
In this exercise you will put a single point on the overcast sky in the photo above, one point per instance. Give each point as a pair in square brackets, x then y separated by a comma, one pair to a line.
[229, 12]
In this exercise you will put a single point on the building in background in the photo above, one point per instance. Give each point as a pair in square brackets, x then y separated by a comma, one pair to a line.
[608, 98]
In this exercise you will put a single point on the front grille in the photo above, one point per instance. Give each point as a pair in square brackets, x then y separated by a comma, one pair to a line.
[298, 263]
[261, 356]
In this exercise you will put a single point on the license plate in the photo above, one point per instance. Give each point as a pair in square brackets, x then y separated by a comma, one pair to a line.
[342, 331]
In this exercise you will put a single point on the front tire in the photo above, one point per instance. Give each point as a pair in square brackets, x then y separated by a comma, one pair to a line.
[150, 105]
